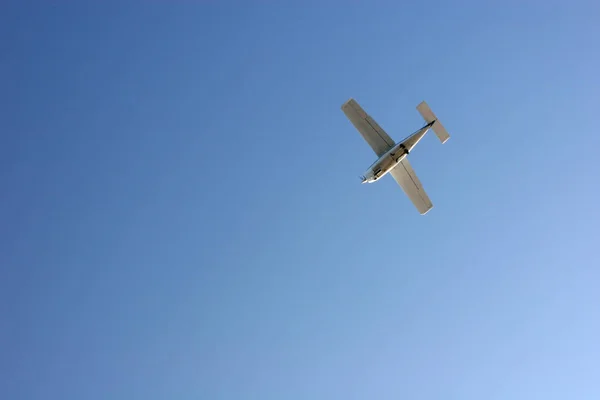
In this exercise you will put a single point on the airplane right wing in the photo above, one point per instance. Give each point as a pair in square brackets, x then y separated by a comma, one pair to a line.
[376, 137]
[410, 183]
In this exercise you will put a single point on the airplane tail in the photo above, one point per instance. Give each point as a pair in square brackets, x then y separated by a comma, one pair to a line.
[429, 117]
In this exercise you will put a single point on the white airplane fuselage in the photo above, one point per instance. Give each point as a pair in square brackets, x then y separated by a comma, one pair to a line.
[385, 163]
[390, 159]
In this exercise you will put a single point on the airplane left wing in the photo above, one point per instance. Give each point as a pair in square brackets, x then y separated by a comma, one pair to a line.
[374, 135]
[410, 183]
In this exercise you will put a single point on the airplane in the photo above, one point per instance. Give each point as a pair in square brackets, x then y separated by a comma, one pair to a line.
[392, 157]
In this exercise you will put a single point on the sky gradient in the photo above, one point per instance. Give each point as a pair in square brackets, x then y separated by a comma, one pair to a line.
[181, 215]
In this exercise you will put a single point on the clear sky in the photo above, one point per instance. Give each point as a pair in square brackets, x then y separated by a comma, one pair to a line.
[181, 215]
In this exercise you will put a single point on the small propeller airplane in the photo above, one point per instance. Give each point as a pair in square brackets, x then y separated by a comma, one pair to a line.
[392, 157]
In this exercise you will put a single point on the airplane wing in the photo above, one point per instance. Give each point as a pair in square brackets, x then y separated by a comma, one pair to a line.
[410, 183]
[376, 137]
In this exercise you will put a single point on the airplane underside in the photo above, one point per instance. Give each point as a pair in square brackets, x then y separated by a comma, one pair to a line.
[393, 156]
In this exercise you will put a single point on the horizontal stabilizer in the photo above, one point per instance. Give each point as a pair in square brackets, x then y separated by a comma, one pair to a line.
[429, 117]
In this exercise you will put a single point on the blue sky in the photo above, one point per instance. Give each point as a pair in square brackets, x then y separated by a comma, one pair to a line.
[182, 218]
